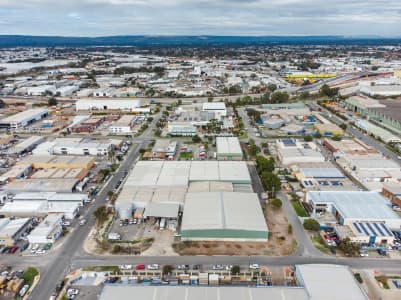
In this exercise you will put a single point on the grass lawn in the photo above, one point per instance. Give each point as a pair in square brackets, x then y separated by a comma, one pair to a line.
[29, 275]
[320, 244]
[243, 136]
[299, 209]
[185, 155]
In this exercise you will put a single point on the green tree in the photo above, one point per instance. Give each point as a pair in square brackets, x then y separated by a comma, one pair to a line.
[167, 269]
[116, 249]
[264, 164]
[279, 97]
[311, 224]
[272, 87]
[349, 248]
[336, 138]
[343, 126]
[325, 90]
[210, 99]
[276, 203]
[304, 96]
[100, 215]
[308, 138]
[52, 101]
[196, 139]
[235, 270]
[271, 183]
[253, 148]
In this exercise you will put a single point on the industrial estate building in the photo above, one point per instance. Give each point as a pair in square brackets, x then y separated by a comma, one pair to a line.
[291, 151]
[48, 231]
[11, 230]
[315, 283]
[223, 216]
[111, 104]
[228, 148]
[221, 188]
[364, 217]
[24, 118]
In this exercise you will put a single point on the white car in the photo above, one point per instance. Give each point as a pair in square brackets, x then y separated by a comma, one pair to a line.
[40, 251]
[254, 266]
[82, 222]
[126, 267]
[363, 254]
[228, 268]
[218, 267]
[153, 267]
[24, 289]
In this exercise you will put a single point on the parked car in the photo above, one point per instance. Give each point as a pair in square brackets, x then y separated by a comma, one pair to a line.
[254, 266]
[218, 267]
[126, 267]
[153, 267]
[140, 267]
[82, 222]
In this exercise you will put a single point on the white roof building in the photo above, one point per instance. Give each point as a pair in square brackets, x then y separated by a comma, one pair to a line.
[24, 118]
[354, 206]
[48, 231]
[318, 279]
[109, 104]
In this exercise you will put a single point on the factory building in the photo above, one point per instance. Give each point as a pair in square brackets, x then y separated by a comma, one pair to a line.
[223, 216]
[26, 145]
[349, 207]
[315, 283]
[24, 118]
[58, 162]
[328, 129]
[168, 182]
[217, 108]
[48, 231]
[111, 104]
[291, 151]
[12, 230]
[16, 172]
[123, 125]
[228, 148]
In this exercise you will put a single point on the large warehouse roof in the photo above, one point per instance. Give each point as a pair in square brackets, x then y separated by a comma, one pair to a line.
[180, 173]
[229, 215]
[355, 204]
[228, 145]
[321, 172]
[318, 280]
[111, 292]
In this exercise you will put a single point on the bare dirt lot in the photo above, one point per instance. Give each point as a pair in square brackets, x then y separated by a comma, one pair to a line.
[280, 243]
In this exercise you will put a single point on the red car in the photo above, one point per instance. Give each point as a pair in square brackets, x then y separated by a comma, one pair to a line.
[140, 267]
[13, 250]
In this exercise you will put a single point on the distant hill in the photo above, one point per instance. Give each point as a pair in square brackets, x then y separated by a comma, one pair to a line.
[160, 41]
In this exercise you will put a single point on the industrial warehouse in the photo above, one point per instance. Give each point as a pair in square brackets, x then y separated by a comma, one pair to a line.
[223, 216]
[313, 281]
[221, 190]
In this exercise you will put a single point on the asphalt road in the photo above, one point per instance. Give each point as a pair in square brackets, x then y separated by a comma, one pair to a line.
[60, 264]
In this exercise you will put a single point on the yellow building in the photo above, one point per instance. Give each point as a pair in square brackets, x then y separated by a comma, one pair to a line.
[397, 73]
[329, 129]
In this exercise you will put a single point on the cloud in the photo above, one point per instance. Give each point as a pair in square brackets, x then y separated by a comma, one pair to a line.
[198, 17]
[74, 15]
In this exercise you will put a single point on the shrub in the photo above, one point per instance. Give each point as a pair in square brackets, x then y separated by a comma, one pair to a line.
[276, 203]
[235, 270]
[312, 225]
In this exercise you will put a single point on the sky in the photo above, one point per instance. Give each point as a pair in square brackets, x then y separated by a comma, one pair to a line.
[201, 17]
